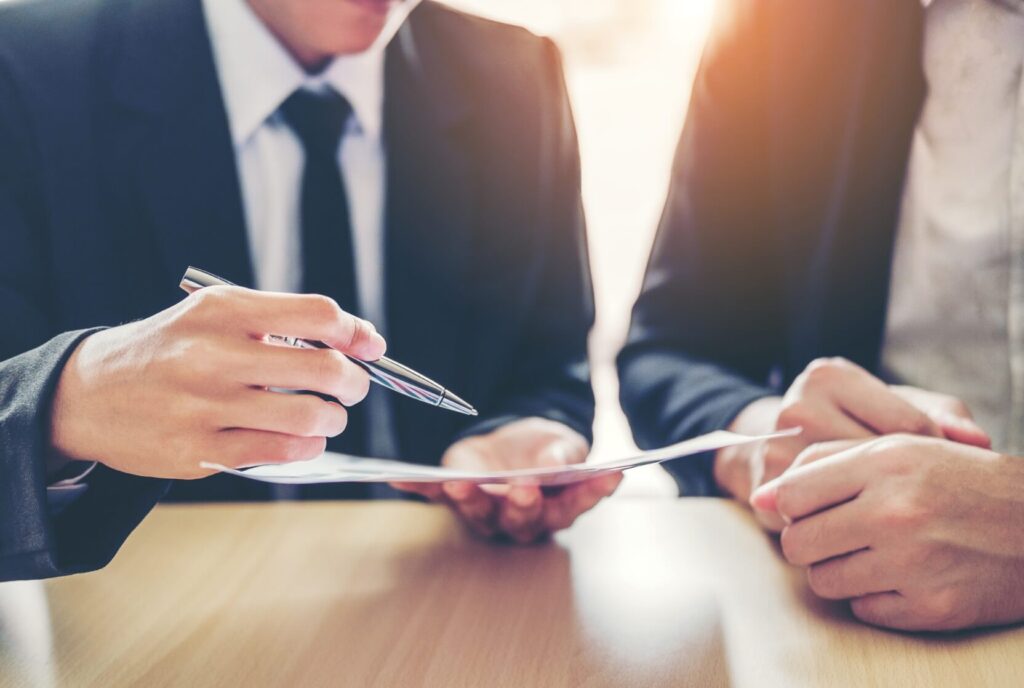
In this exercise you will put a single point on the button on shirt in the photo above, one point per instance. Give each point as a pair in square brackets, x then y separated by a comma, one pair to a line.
[956, 312]
[257, 74]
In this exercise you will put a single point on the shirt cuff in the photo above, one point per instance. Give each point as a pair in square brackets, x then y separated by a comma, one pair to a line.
[68, 485]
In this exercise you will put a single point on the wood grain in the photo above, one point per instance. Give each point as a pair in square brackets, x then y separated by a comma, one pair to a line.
[638, 593]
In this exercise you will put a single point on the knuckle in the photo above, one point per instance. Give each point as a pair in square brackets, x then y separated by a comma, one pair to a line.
[825, 370]
[306, 422]
[324, 307]
[904, 515]
[197, 357]
[210, 301]
[331, 368]
[887, 451]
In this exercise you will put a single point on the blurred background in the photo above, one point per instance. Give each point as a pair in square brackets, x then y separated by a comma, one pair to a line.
[629, 66]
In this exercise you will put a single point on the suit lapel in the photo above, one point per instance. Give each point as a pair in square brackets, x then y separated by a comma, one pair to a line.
[841, 136]
[429, 210]
[171, 136]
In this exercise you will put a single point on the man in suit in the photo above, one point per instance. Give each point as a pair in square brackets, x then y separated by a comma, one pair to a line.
[841, 252]
[410, 164]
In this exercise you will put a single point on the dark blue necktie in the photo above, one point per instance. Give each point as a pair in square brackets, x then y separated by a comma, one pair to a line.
[328, 260]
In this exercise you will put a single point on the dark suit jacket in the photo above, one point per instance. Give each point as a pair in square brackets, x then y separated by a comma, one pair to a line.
[776, 241]
[118, 171]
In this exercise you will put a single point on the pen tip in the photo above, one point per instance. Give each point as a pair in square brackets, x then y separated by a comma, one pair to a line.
[453, 402]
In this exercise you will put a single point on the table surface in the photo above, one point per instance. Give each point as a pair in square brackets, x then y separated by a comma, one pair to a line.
[638, 593]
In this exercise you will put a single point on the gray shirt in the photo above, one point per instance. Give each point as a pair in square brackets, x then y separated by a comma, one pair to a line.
[956, 313]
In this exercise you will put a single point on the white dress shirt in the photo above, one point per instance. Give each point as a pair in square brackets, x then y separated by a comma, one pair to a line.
[257, 74]
[956, 311]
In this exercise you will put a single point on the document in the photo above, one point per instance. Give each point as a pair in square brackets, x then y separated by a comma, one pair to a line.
[340, 468]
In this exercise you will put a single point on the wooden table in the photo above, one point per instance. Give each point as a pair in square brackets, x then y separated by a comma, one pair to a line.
[638, 593]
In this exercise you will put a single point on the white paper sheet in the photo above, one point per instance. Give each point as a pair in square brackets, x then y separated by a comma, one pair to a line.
[339, 468]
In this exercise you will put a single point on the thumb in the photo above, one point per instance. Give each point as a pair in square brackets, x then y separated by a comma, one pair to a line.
[558, 453]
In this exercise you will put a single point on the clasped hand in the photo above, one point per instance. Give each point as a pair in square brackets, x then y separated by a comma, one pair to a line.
[918, 533]
[834, 399]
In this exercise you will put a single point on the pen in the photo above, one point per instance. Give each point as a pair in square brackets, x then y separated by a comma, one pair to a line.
[384, 371]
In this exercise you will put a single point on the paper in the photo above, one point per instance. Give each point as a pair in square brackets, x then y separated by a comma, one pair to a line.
[339, 468]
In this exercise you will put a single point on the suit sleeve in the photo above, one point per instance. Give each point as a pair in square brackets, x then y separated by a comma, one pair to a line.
[707, 328]
[549, 376]
[35, 540]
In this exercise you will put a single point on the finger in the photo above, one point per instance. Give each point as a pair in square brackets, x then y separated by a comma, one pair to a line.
[773, 458]
[521, 513]
[885, 609]
[240, 448]
[317, 370]
[769, 520]
[474, 505]
[962, 430]
[809, 489]
[765, 511]
[823, 450]
[871, 402]
[828, 534]
[311, 316]
[851, 576]
[431, 491]
[822, 421]
[562, 511]
[302, 415]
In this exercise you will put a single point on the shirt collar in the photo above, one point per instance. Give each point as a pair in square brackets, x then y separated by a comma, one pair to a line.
[257, 73]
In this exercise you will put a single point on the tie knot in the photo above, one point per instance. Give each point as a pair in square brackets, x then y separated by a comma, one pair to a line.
[317, 118]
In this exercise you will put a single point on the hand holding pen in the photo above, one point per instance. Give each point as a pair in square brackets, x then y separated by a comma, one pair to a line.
[192, 383]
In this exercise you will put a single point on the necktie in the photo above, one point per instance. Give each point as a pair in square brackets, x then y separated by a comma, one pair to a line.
[328, 260]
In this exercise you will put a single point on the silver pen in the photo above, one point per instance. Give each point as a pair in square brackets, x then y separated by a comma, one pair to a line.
[384, 371]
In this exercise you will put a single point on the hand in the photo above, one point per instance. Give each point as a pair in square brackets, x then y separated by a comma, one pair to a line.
[524, 513]
[919, 533]
[191, 383]
[834, 399]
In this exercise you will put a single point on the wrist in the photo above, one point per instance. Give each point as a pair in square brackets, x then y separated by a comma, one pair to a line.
[65, 445]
